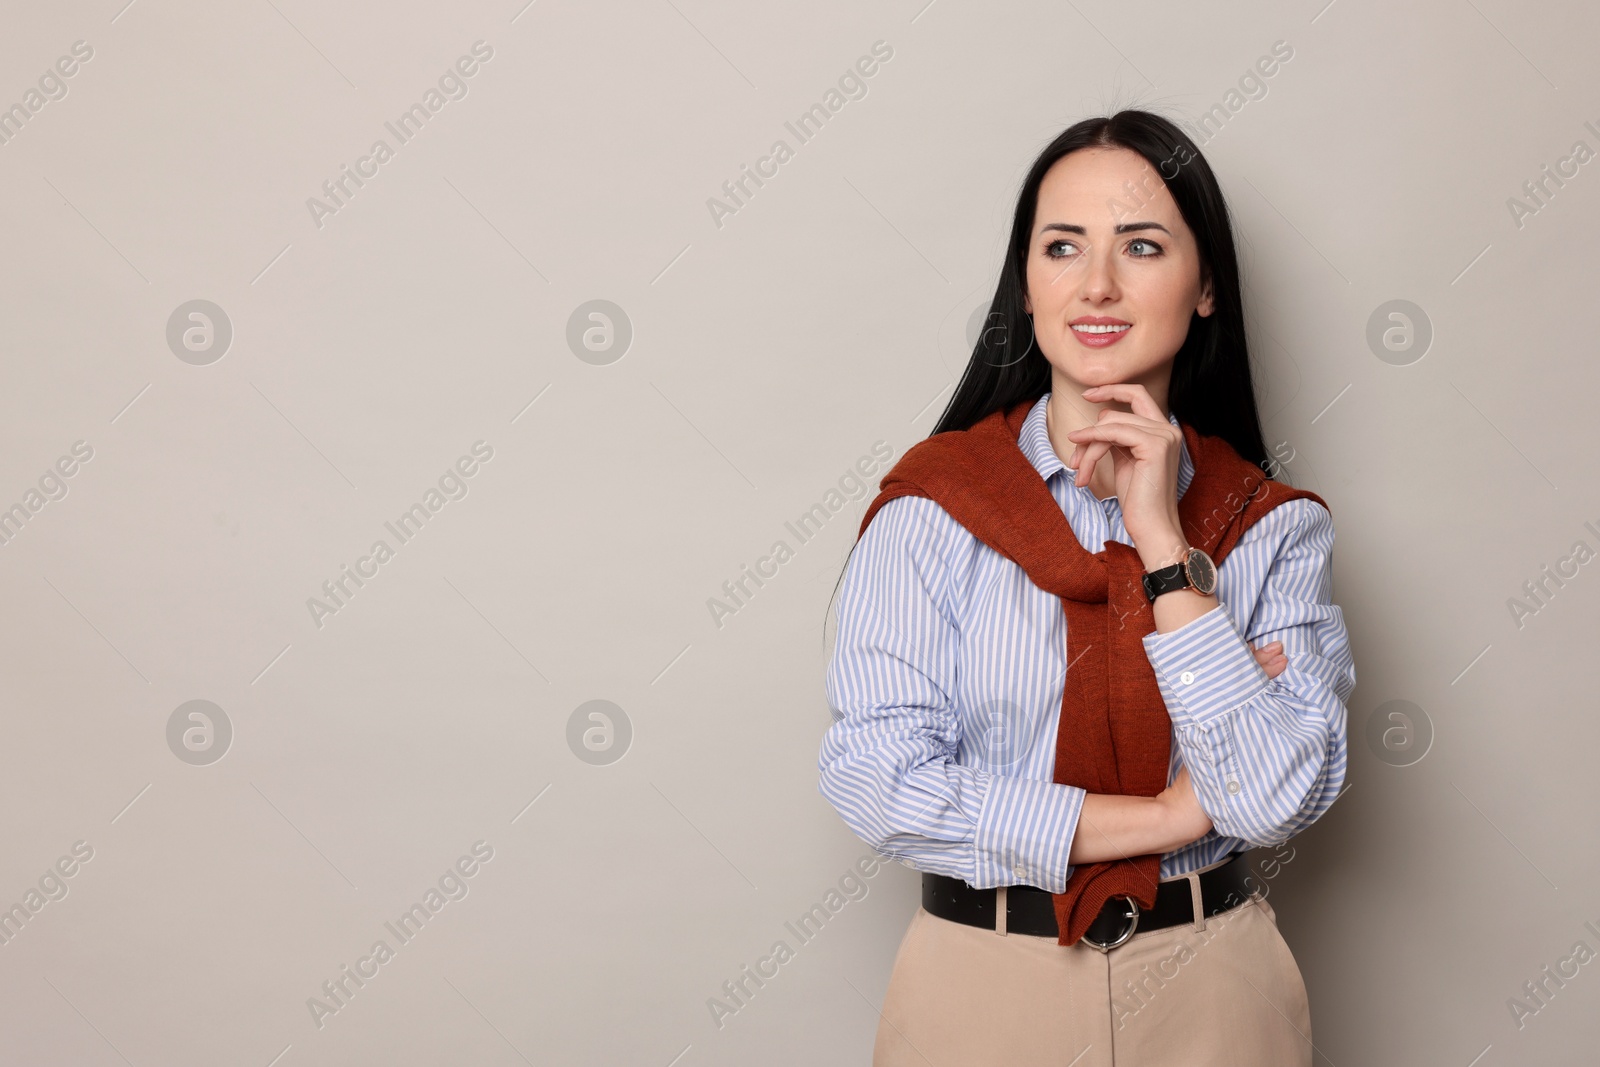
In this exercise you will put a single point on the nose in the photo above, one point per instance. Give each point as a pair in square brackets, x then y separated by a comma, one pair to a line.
[1098, 282]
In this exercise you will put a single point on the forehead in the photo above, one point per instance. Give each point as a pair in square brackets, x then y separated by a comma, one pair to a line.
[1103, 186]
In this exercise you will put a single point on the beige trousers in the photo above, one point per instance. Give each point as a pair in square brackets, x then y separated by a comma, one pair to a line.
[1228, 995]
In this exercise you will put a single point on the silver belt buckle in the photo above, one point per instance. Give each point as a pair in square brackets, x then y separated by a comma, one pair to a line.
[1133, 915]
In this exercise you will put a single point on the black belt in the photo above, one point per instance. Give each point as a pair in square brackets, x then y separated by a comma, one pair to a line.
[1031, 910]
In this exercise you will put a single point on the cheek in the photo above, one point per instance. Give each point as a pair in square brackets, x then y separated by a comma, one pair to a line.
[1038, 285]
[1171, 300]
[1049, 284]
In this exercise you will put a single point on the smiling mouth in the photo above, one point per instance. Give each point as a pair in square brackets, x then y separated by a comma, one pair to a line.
[1101, 329]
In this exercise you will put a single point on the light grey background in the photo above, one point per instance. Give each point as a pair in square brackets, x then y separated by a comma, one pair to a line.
[768, 354]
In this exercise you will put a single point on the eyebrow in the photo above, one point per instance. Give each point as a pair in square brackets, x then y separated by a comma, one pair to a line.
[1125, 227]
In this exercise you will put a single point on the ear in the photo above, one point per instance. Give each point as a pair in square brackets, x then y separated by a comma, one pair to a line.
[1207, 302]
[1027, 304]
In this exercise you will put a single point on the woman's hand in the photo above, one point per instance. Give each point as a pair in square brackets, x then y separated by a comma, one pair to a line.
[1271, 658]
[1145, 449]
[1113, 826]
[1186, 820]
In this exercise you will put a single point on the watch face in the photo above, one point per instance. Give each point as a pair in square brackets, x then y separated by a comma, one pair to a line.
[1202, 572]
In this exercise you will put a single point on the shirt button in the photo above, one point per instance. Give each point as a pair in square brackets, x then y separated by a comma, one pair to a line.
[1186, 677]
[906, 862]
[1233, 787]
[1020, 871]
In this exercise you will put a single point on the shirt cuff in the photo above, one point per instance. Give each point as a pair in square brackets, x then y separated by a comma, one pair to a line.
[1205, 667]
[1025, 832]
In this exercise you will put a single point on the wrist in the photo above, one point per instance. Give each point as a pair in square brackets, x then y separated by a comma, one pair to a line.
[1166, 830]
[1181, 819]
[1160, 549]
[1113, 826]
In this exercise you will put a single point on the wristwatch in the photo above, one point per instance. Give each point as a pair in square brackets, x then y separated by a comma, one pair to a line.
[1195, 571]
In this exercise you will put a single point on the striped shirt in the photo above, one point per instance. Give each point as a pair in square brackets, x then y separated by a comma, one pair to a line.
[946, 678]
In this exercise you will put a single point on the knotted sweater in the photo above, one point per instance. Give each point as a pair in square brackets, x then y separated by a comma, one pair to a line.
[1114, 734]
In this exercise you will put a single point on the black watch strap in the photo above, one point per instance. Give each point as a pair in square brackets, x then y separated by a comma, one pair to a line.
[1165, 580]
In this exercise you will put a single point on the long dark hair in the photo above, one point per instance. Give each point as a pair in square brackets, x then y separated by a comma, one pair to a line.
[1211, 387]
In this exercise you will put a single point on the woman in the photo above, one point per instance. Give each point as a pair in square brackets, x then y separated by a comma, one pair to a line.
[1086, 652]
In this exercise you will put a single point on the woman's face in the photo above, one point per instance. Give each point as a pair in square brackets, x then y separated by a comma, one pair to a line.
[1111, 254]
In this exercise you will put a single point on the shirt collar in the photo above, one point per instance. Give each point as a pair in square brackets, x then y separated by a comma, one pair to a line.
[1034, 440]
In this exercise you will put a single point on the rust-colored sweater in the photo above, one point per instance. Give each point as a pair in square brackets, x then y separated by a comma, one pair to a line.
[1115, 734]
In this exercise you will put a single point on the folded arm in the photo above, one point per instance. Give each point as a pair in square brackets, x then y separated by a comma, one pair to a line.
[1267, 755]
[887, 764]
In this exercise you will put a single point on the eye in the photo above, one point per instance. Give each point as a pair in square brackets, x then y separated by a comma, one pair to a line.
[1145, 241]
[1050, 249]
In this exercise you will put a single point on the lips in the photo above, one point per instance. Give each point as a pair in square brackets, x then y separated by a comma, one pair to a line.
[1098, 331]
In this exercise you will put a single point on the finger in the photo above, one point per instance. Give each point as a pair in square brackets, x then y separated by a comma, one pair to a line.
[1162, 432]
[1133, 394]
[1092, 455]
[1153, 425]
[1269, 653]
[1140, 439]
[1079, 462]
[1101, 448]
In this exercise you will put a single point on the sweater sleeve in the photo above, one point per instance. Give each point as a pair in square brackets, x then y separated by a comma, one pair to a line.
[1267, 756]
[888, 762]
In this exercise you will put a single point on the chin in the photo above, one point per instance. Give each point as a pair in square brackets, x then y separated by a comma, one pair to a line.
[1107, 370]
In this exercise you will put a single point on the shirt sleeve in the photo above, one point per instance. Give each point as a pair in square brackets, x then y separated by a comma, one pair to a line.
[888, 762]
[1267, 756]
